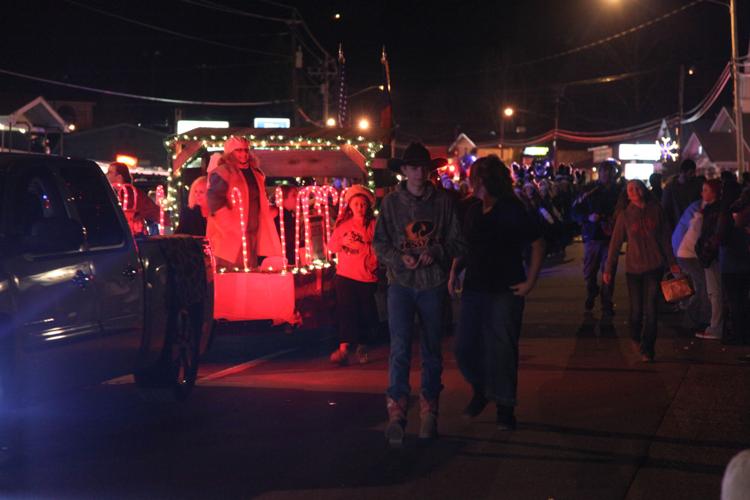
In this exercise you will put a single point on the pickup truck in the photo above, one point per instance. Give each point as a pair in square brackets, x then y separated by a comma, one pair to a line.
[81, 299]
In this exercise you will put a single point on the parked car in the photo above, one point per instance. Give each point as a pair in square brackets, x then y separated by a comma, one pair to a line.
[82, 300]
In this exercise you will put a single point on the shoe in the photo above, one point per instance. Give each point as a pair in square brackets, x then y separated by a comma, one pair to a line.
[428, 415]
[506, 420]
[362, 356]
[707, 336]
[340, 357]
[396, 427]
[476, 405]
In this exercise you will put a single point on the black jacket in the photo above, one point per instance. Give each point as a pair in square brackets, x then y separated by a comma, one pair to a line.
[597, 199]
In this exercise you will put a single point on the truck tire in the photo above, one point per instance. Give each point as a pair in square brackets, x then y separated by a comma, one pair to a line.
[174, 375]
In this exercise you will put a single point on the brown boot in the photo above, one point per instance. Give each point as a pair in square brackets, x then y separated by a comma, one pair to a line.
[428, 414]
[396, 428]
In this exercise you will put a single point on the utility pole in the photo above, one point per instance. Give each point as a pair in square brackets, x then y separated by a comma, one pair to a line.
[558, 94]
[680, 104]
[296, 63]
[737, 104]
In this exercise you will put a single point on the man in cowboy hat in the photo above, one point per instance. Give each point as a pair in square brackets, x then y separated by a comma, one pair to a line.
[416, 237]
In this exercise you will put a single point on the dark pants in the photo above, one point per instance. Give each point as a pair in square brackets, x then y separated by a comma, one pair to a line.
[697, 308]
[736, 288]
[357, 311]
[643, 289]
[595, 260]
[487, 343]
[403, 304]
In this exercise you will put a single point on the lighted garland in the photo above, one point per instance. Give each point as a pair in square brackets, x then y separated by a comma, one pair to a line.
[366, 147]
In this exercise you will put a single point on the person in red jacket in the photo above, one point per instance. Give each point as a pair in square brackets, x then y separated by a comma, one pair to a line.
[356, 278]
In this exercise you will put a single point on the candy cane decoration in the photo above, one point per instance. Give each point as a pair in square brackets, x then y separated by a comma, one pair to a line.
[279, 196]
[160, 201]
[123, 196]
[326, 192]
[296, 230]
[237, 202]
[304, 199]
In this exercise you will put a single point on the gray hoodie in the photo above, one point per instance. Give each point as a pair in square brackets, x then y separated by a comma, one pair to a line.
[411, 225]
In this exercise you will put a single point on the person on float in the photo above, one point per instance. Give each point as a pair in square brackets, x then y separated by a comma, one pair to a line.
[193, 220]
[288, 213]
[238, 168]
[145, 211]
[356, 275]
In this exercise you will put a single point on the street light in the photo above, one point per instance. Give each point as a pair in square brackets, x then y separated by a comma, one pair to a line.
[508, 111]
[363, 124]
[331, 122]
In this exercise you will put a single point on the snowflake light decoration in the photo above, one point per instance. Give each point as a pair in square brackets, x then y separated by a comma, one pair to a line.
[670, 150]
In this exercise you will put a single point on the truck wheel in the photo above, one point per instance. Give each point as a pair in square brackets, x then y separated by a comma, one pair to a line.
[174, 375]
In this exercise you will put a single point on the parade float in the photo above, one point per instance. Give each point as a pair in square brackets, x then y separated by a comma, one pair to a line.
[322, 162]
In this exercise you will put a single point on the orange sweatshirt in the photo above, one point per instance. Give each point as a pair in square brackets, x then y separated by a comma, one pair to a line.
[352, 241]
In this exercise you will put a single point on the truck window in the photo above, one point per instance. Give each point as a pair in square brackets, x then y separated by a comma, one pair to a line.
[37, 212]
[88, 191]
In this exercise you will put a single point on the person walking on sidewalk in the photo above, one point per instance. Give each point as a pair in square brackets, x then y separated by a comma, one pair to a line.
[707, 250]
[416, 236]
[734, 259]
[497, 231]
[685, 236]
[356, 275]
[595, 211]
[649, 250]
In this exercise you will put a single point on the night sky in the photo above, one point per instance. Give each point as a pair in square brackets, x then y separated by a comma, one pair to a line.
[453, 66]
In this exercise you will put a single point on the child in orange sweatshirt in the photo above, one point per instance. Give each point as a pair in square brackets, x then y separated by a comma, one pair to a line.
[356, 278]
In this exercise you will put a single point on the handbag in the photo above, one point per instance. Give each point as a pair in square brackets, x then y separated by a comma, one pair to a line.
[676, 288]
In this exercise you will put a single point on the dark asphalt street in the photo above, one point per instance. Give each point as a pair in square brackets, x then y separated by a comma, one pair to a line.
[272, 419]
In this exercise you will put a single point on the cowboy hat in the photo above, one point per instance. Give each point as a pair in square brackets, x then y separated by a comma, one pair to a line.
[416, 155]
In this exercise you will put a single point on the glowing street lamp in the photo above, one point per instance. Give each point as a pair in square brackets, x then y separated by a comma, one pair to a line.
[508, 112]
[363, 124]
[331, 122]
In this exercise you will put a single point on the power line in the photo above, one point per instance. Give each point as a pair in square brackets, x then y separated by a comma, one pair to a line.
[163, 100]
[232, 10]
[172, 32]
[634, 131]
[596, 43]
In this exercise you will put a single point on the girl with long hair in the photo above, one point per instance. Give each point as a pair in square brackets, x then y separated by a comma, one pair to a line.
[356, 278]
[643, 223]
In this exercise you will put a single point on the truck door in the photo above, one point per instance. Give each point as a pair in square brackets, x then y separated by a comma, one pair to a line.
[116, 267]
[43, 268]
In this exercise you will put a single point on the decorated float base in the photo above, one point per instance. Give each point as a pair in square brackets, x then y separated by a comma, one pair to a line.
[279, 297]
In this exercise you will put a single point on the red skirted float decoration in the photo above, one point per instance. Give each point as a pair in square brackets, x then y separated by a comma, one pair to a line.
[321, 162]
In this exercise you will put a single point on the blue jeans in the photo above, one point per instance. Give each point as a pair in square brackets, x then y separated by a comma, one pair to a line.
[487, 343]
[403, 304]
[643, 290]
[595, 260]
